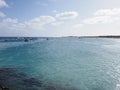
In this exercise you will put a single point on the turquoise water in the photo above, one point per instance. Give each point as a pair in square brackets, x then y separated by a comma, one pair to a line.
[69, 63]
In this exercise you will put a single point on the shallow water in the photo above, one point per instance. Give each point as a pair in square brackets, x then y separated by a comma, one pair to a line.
[61, 64]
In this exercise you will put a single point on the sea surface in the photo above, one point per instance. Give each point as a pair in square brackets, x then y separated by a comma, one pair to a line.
[60, 64]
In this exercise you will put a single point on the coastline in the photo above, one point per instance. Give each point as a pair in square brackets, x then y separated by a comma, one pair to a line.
[25, 37]
[30, 39]
[104, 36]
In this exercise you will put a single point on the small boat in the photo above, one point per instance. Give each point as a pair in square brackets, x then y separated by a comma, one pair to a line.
[27, 40]
[6, 40]
[47, 38]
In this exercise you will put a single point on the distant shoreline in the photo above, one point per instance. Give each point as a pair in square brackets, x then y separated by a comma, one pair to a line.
[100, 36]
[27, 39]
[109, 36]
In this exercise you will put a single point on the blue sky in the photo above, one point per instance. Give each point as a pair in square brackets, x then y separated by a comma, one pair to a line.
[59, 17]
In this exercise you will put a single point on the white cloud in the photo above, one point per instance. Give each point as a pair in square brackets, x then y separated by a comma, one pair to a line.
[103, 16]
[41, 20]
[77, 26]
[57, 23]
[108, 12]
[8, 23]
[38, 22]
[2, 15]
[3, 3]
[33, 24]
[101, 20]
[10, 20]
[67, 15]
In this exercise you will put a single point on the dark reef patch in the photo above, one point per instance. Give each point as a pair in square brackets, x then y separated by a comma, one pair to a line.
[13, 79]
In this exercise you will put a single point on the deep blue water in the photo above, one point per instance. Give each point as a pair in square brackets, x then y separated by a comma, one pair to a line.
[61, 64]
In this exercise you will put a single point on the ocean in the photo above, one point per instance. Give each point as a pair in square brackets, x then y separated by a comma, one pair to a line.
[60, 64]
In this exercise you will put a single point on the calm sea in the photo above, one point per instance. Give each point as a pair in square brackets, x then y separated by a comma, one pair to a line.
[61, 64]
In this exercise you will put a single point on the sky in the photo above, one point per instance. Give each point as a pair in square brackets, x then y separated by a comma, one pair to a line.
[56, 18]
